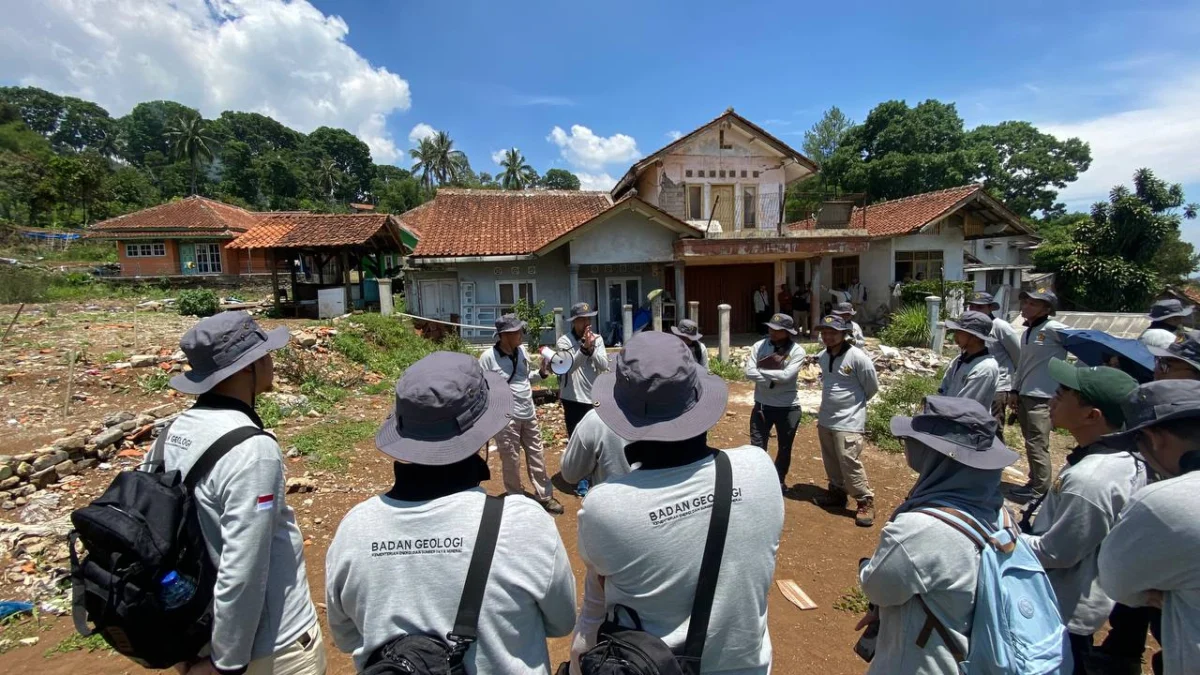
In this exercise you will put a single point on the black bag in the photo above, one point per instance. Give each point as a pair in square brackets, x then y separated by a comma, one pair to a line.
[143, 527]
[429, 654]
[622, 650]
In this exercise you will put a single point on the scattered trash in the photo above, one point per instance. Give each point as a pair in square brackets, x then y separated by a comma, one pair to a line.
[13, 608]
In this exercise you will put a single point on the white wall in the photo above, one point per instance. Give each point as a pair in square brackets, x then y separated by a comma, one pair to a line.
[1002, 252]
[624, 238]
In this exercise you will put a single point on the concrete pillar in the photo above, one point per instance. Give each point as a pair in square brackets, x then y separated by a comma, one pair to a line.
[679, 290]
[626, 323]
[815, 291]
[933, 305]
[385, 297]
[780, 280]
[723, 325]
[938, 339]
[694, 311]
[656, 308]
[558, 324]
[573, 285]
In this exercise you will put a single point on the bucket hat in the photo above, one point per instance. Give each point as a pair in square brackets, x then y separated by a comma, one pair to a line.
[1154, 403]
[446, 408]
[782, 322]
[656, 392]
[1104, 387]
[844, 308]
[1186, 348]
[960, 428]
[836, 323]
[220, 346]
[1167, 309]
[508, 323]
[975, 323]
[687, 329]
[1045, 295]
[581, 310]
[983, 299]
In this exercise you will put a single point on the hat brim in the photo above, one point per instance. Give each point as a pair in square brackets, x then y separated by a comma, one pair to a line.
[775, 326]
[950, 325]
[524, 326]
[585, 315]
[1161, 353]
[995, 457]
[841, 312]
[1186, 311]
[393, 443]
[847, 329]
[195, 383]
[1044, 298]
[704, 415]
[991, 304]
[692, 338]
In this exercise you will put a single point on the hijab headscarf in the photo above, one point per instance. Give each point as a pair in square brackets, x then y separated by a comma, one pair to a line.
[973, 491]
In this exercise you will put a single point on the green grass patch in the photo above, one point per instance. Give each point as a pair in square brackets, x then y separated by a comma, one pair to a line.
[388, 345]
[155, 382]
[328, 446]
[75, 642]
[907, 327]
[853, 601]
[903, 397]
[114, 357]
[380, 387]
[268, 410]
[730, 371]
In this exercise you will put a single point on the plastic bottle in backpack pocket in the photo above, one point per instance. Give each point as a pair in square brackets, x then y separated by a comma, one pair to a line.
[175, 590]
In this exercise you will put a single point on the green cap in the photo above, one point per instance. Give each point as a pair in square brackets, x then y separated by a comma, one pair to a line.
[1104, 387]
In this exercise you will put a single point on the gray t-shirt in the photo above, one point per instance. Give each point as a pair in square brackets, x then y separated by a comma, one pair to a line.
[974, 379]
[1077, 515]
[920, 555]
[775, 387]
[846, 386]
[261, 600]
[1006, 347]
[1038, 345]
[1155, 546]
[576, 385]
[398, 567]
[521, 384]
[644, 532]
[595, 452]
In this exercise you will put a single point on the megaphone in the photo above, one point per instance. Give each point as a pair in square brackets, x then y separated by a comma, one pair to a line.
[560, 360]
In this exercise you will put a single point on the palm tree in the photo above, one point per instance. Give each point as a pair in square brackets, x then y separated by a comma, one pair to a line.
[518, 174]
[424, 156]
[437, 160]
[190, 139]
[331, 175]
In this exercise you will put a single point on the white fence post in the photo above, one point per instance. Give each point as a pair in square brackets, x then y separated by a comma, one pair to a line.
[933, 305]
[558, 324]
[723, 323]
[385, 297]
[626, 323]
[656, 308]
[694, 311]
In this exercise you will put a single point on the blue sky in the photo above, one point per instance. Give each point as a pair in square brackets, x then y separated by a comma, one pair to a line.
[617, 78]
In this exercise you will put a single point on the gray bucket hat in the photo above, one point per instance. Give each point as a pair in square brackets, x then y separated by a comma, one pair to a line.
[220, 346]
[1186, 348]
[656, 392]
[983, 299]
[446, 408]
[960, 428]
[1154, 403]
[581, 310]
[975, 323]
[688, 330]
[1044, 294]
[1168, 308]
[835, 322]
[782, 322]
[508, 323]
[844, 308]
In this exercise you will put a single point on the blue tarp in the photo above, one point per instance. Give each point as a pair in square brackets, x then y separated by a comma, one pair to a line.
[1097, 348]
[56, 236]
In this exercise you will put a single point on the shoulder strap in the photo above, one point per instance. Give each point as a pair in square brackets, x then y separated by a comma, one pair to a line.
[216, 451]
[710, 567]
[467, 619]
[959, 521]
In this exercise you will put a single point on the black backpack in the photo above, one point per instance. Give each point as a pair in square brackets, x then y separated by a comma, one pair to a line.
[143, 527]
[632, 651]
[429, 654]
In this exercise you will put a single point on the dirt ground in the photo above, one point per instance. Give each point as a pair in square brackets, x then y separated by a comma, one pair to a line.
[819, 548]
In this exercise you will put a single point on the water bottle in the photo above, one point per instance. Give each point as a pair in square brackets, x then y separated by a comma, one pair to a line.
[175, 590]
[581, 488]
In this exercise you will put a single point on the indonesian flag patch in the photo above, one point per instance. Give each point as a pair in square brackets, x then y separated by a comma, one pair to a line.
[266, 502]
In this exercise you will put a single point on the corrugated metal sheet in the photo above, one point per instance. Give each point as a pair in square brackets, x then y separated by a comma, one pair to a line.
[1115, 324]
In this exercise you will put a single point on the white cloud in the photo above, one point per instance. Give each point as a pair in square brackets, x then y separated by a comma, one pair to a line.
[595, 181]
[1159, 130]
[283, 59]
[419, 133]
[584, 149]
[498, 156]
[674, 134]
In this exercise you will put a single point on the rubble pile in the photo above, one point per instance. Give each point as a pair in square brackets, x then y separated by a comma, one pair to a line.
[894, 362]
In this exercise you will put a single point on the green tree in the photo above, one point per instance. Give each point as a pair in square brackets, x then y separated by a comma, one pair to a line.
[824, 137]
[352, 156]
[1127, 252]
[1026, 168]
[144, 130]
[560, 179]
[191, 140]
[331, 176]
[437, 161]
[517, 173]
[238, 176]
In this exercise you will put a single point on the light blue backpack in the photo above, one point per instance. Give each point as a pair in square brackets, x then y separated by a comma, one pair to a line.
[1017, 629]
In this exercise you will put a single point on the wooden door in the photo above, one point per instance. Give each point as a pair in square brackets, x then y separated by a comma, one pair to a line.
[721, 200]
[711, 285]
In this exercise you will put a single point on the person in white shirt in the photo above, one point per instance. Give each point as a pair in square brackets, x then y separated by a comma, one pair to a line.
[689, 332]
[1041, 342]
[773, 365]
[973, 373]
[858, 295]
[1166, 320]
[762, 308]
[846, 311]
[1006, 348]
[588, 359]
[1180, 361]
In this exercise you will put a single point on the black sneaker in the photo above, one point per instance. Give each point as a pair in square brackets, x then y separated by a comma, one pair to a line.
[553, 507]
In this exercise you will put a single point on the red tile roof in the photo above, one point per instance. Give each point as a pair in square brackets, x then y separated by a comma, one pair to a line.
[312, 230]
[459, 223]
[905, 215]
[189, 216]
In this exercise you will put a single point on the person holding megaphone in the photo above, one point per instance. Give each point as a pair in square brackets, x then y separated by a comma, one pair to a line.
[588, 359]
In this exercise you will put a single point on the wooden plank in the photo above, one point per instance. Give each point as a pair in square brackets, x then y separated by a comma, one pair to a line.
[731, 284]
[794, 594]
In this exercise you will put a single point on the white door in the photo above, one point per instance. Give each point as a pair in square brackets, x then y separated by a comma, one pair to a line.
[589, 292]
[439, 298]
[622, 291]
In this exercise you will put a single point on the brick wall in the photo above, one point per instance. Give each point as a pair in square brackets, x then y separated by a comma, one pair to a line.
[155, 266]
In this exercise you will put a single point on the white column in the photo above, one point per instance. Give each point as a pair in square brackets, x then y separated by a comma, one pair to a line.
[385, 297]
[694, 311]
[573, 285]
[723, 323]
[626, 323]
[780, 279]
[656, 313]
[815, 291]
[933, 304]
[559, 329]
[679, 290]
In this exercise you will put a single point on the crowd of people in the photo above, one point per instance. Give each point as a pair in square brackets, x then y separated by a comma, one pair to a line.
[678, 537]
